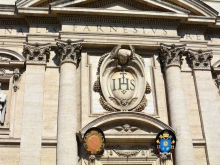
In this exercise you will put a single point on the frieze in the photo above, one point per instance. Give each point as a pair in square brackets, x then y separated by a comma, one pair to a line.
[118, 20]
[200, 59]
[120, 75]
[130, 151]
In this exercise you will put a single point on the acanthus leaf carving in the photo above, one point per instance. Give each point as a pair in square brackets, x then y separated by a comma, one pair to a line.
[171, 54]
[69, 50]
[200, 59]
[37, 52]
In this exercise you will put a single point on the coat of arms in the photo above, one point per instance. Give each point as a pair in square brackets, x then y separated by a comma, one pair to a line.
[121, 81]
[166, 142]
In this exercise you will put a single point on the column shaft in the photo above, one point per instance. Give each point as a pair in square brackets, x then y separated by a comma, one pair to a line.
[209, 106]
[32, 119]
[67, 116]
[179, 116]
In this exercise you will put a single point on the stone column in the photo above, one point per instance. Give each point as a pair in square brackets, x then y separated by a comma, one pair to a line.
[208, 100]
[32, 118]
[67, 149]
[171, 58]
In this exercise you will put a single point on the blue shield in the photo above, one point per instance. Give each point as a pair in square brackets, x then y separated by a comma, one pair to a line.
[165, 145]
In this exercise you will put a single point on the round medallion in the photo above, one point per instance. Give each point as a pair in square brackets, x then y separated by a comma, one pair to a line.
[94, 141]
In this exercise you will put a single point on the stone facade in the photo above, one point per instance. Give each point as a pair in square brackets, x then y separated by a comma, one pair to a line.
[130, 68]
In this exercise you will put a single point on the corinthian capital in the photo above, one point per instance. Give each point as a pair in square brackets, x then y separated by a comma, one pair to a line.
[37, 52]
[171, 55]
[200, 59]
[69, 50]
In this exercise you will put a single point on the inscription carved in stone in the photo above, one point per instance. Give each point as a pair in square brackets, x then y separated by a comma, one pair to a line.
[121, 81]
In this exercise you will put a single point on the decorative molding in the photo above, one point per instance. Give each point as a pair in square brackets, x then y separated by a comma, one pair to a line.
[37, 52]
[127, 115]
[12, 53]
[200, 59]
[69, 50]
[171, 55]
[16, 78]
[126, 128]
[2, 106]
[42, 20]
[119, 73]
[13, 22]
[130, 151]
[117, 20]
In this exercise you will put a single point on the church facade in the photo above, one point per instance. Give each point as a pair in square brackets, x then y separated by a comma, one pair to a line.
[93, 82]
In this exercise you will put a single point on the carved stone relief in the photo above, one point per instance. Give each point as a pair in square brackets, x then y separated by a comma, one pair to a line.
[200, 59]
[69, 50]
[16, 77]
[130, 151]
[37, 52]
[2, 106]
[121, 79]
[171, 54]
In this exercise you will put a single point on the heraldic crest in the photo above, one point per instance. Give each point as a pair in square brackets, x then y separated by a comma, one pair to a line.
[121, 81]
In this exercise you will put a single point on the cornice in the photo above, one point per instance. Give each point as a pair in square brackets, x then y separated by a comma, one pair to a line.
[42, 20]
[117, 20]
[7, 9]
[199, 6]
[192, 27]
[13, 21]
[33, 10]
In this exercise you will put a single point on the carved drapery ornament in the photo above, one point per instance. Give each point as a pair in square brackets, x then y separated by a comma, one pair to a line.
[120, 81]
[200, 59]
[16, 77]
[2, 106]
[171, 54]
[37, 52]
[69, 50]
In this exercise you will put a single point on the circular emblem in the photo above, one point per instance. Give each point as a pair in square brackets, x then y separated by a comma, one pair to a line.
[94, 141]
[165, 141]
[122, 81]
